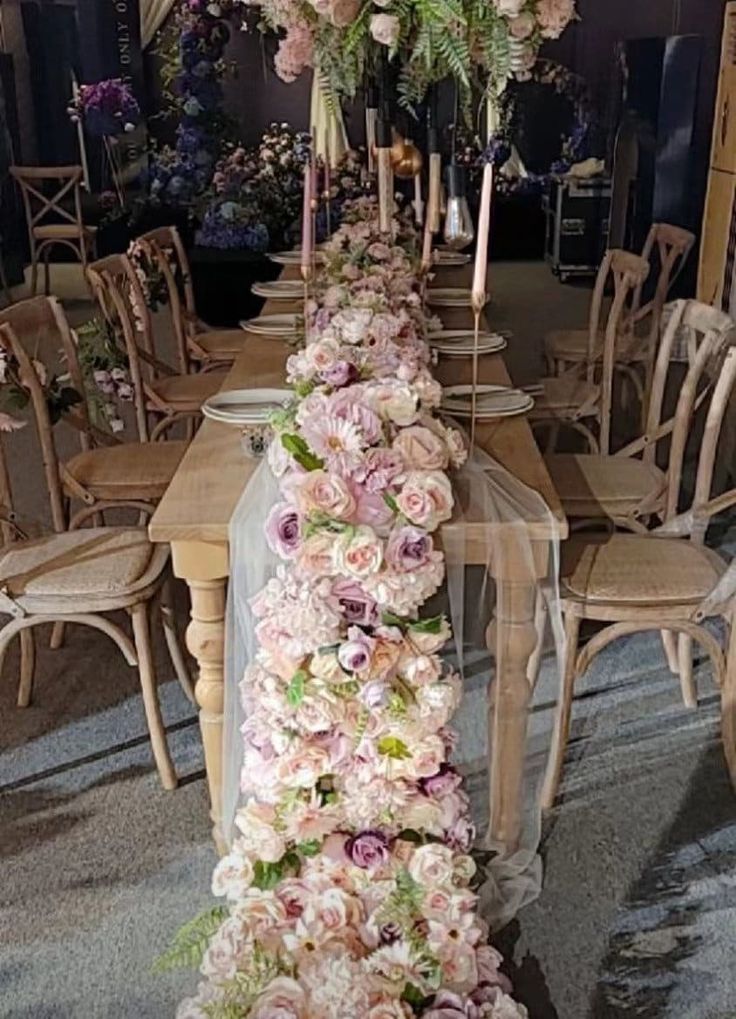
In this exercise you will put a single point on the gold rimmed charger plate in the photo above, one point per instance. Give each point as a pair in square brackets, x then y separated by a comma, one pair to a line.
[491, 402]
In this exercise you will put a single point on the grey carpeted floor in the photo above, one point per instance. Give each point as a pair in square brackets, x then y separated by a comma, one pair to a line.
[99, 866]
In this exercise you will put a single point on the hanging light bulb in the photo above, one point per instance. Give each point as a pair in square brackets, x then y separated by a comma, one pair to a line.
[459, 230]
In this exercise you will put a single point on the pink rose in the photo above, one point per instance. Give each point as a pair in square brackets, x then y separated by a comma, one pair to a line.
[359, 553]
[554, 16]
[316, 555]
[426, 499]
[421, 449]
[325, 493]
[284, 998]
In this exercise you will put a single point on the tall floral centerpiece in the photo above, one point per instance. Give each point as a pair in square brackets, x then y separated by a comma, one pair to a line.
[107, 109]
[345, 40]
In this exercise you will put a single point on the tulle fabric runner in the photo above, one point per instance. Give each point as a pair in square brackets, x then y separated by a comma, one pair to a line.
[506, 519]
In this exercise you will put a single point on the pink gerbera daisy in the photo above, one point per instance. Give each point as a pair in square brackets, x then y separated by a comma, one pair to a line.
[336, 440]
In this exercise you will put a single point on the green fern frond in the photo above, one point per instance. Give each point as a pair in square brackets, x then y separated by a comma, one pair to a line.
[190, 942]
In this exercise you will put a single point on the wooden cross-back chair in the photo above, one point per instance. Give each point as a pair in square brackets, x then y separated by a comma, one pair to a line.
[166, 395]
[106, 473]
[581, 399]
[208, 347]
[667, 580]
[81, 576]
[629, 488]
[48, 192]
[666, 249]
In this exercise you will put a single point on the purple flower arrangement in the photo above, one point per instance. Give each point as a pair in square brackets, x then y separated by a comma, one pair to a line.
[106, 109]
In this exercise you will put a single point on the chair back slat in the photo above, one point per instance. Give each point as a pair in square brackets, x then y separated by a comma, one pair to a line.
[121, 301]
[28, 378]
[722, 394]
[41, 321]
[627, 271]
[163, 250]
[38, 204]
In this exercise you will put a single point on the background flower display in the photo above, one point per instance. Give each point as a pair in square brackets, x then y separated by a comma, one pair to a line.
[430, 39]
[255, 195]
[349, 889]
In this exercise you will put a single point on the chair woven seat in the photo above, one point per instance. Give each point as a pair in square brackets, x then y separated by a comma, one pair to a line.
[59, 231]
[94, 561]
[564, 396]
[591, 486]
[633, 569]
[187, 390]
[129, 471]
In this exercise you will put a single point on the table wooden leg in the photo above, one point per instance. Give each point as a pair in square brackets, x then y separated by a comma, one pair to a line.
[512, 638]
[206, 641]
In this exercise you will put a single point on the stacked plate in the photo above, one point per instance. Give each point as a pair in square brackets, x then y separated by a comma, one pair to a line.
[446, 256]
[245, 406]
[279, 290]
[449, 297]
[271, 325]
[461, 342]
[292, 257]
[491, 402]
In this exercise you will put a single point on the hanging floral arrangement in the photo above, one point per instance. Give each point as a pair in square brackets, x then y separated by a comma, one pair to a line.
[431, 39]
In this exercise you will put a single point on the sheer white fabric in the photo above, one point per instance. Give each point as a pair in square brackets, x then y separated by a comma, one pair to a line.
[326, 125]
[153, 15]
[507, 519]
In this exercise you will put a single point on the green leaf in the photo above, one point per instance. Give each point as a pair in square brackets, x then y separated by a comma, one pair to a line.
[414, 997]
[389, 619]
[410, 835]
[433, 625]
[390, 502]
[393, 747]
[190, 942]
[301, 452]
[266, 875]
[309, 848]
[295, 691]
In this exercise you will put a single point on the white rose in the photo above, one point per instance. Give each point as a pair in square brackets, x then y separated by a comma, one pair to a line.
[432, 865]
[385, 29]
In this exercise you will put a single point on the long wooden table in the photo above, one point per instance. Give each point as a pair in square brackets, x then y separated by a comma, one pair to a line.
[194, 517]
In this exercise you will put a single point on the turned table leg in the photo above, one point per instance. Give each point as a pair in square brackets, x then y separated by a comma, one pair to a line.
[205, 567]
[206, 641]
[512, 639]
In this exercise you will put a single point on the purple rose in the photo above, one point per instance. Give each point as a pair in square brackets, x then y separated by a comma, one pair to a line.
[408, 548]
[444, 781]
[375, 694]
[368, 850]
[461, 835]
[355, 654]
[357, 606]
[284, 530]
[448, 1005]
[342, 373]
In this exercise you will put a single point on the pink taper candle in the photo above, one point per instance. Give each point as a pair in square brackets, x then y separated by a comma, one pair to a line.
[307, 222]
[481, 251]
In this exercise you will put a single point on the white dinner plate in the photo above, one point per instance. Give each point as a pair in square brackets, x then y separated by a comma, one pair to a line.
[446, 256]
[245, 406]
[449, 297]
[271, 325]
[292, 257]
[460, 342]
[279, 290]
[491, 401]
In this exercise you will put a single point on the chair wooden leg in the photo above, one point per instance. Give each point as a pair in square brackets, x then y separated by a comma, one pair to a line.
[685, 660]
[47, 272]
[176, 653]
[58, 634]
[142, 635]
[728, 704]
[34, 274]
[563, 712]
[669, 643]
[27, 667]
[552, 438]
